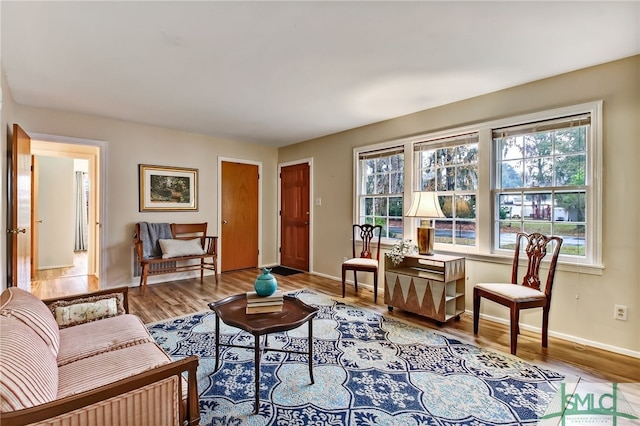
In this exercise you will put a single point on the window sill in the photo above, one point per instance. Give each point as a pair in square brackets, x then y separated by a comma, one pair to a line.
[579, 268]
[575, 267]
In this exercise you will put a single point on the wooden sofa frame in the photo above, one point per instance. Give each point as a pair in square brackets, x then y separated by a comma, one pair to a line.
[180, 231]
[189, 410]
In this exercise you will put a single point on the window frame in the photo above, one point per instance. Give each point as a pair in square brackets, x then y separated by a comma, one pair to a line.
[358, 178]
[593, 181]
[452, 141]
[487, 203]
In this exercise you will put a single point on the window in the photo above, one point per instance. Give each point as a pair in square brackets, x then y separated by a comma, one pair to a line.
[450, 167]
[535, 172]
[381, 191]
[541, 181]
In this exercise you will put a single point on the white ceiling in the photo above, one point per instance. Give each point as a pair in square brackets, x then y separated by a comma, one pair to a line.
[277, 73]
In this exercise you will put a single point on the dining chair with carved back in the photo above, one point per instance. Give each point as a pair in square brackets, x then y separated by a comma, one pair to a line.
[366, 260]
[527, 294]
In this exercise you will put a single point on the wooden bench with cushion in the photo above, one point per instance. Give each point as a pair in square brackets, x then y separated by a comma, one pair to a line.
[184, 244]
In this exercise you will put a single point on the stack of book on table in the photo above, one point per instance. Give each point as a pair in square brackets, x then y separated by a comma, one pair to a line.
[262, 304]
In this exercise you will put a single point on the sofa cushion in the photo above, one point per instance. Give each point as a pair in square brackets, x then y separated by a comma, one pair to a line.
[108, 367]
[68, 313]
[28, 371]
[101, 336]
[32, 311]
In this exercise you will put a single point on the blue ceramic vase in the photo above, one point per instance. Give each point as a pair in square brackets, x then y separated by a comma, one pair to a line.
[266, 283]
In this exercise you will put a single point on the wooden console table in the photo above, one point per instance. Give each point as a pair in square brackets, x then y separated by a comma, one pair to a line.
[432, 286]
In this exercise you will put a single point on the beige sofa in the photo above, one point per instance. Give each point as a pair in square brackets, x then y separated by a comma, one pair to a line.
[87, 361]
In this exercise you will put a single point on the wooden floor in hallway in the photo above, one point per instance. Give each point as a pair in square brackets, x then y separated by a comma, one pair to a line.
[56, 282]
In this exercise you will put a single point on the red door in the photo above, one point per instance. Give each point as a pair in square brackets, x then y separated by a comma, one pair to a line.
[239, 221]
[294, 216]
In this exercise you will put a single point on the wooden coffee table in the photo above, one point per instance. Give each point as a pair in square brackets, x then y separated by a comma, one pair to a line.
[295, 312]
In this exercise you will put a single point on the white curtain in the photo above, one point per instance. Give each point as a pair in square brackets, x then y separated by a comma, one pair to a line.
[81, 213]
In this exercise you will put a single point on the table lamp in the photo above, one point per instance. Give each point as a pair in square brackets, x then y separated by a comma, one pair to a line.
[425, 205]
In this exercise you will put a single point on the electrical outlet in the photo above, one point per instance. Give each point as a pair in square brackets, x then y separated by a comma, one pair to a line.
[620, 312]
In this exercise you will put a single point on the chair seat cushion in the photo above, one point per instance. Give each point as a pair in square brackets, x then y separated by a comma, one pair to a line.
[515, 292]
[360, 261]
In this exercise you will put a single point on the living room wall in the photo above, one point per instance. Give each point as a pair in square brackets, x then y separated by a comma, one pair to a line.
[129, 144]
[587, 319]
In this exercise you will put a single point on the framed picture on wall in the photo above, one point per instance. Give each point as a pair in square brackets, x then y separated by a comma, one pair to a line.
[164, 189]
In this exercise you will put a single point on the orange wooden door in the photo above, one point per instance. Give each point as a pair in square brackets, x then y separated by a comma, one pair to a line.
[239, 221]
[20, 202]
[294, 216]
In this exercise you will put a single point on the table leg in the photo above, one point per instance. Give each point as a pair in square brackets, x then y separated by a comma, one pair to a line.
[311, 350]
[257, 373]
[217, 342]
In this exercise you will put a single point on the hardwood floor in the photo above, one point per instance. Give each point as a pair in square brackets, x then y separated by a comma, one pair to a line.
[79, 268]
[167, 300]
[55, 282]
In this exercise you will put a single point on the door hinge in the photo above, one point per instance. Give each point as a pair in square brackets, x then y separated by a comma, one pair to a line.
[280, 249]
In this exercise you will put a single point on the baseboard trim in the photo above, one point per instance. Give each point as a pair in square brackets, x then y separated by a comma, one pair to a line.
[564, 336]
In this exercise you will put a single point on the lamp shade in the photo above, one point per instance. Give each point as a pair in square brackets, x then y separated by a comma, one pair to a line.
[425, 204]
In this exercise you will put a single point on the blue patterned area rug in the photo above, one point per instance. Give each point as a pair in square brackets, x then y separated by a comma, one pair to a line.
[369, 370]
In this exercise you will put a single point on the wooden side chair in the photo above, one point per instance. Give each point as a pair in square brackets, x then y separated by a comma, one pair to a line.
[528, 294]
[365, 262]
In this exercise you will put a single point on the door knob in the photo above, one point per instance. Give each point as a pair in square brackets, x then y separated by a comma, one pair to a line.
[16, 231]
[38, 221]
[224, 222]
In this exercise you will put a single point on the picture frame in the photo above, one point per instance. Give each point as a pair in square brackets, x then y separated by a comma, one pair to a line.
[165, 189]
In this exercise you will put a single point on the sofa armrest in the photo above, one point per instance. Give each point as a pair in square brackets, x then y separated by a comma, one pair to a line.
[190, 412]
[118, 290]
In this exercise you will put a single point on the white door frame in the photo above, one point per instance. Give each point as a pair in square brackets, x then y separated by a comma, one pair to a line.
[99, 176]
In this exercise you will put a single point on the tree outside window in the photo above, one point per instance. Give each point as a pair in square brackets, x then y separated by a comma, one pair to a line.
[542, 177]
[450, 167]
[382, 192]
